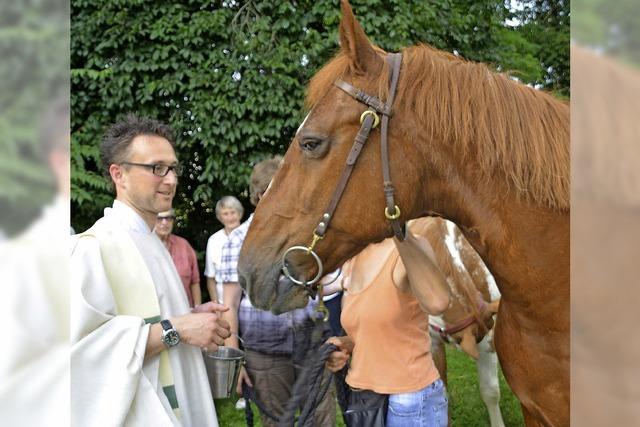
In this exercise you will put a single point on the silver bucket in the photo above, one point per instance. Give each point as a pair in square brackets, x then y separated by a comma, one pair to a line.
[223, 368]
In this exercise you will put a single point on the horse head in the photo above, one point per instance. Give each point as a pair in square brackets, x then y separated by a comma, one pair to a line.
[300, 192]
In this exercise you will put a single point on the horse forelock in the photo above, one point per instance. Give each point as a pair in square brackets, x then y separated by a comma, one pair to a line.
[339, 68]
[504, 126]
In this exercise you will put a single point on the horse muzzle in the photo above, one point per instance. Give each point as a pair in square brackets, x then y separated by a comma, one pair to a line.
[270, 290]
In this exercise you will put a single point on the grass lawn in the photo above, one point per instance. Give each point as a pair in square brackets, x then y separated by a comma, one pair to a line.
[467, 407]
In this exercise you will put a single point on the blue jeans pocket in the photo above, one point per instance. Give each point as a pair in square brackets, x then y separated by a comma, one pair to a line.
[405, 404]
[437, 400]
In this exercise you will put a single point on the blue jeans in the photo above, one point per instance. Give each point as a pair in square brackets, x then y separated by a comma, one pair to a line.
[423, 408]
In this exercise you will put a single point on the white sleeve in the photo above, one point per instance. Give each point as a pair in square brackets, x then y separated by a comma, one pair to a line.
[107, 349]
[34, 361]
[209, 267]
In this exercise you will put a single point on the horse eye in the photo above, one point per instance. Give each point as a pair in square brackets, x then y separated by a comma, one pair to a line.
[310, 145]
[314, 146]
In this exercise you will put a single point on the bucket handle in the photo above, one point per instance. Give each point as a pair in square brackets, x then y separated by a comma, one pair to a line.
[239, 339]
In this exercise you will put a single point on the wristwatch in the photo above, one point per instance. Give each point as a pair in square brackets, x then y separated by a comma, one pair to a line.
[170, 337]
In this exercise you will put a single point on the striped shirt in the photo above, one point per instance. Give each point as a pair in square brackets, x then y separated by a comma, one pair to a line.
[261, 331]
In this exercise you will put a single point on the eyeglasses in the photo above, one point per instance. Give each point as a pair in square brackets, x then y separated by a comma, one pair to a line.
[166, 218]
[158, 169]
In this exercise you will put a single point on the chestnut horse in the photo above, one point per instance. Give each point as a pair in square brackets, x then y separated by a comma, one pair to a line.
[466, 144]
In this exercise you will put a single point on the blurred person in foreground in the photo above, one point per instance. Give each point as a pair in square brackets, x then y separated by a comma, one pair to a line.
[275, 345]
[136, 346]
[183, 255]
[34, 308]
[229, 212]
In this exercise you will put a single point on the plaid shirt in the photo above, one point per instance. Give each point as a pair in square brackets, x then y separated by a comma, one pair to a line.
[260, 330]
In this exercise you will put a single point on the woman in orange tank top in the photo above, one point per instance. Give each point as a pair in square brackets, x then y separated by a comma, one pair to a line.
[385, 314]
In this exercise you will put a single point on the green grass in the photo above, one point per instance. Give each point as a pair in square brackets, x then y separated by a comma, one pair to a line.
[467, 407]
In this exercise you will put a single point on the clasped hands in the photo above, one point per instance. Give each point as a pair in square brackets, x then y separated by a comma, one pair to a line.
[204, 326]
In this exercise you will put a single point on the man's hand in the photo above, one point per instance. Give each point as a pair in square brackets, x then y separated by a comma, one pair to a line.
[338, 359]
[204, 327]
[243, 377]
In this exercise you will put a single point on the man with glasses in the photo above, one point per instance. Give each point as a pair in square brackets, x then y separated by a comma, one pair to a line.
[183, 255]
[136, 345]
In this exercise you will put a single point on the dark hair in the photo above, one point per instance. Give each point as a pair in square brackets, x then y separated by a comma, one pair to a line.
[261, 177]
[118, 137]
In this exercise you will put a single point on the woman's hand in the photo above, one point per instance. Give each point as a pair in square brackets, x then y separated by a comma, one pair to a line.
[243, 377]
[338, 359]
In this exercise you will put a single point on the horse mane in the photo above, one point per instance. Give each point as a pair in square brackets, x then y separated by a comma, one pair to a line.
[505, 127]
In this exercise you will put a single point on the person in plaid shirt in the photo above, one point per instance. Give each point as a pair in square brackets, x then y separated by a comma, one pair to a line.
[269, 340]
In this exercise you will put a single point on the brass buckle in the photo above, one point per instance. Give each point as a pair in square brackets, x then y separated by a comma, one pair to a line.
[395, 216]
[376, 118]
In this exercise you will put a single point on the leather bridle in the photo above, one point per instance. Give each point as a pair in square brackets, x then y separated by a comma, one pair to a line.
[477, 317]
[368, 121]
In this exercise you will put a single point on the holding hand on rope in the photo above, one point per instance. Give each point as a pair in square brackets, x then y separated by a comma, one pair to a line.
[338, 359]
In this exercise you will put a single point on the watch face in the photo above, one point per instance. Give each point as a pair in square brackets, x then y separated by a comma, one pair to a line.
[171, 338]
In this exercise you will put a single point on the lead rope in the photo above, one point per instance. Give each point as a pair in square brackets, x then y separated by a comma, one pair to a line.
[312, 385]
[318, 386]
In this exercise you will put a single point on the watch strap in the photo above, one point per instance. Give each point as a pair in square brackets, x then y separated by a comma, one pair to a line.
[166, 324]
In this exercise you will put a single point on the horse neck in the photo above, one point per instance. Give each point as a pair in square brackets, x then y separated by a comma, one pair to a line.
[524, 246]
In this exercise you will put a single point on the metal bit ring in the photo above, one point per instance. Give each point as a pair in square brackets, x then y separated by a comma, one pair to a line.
[288, 275]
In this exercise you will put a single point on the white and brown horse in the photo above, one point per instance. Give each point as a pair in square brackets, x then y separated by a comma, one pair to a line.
[468, 321]
[464, 143]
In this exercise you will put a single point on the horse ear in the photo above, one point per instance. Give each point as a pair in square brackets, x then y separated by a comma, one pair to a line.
[469, 345]
[356, 45]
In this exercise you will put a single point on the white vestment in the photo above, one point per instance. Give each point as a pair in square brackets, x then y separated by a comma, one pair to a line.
[34, 314]
[111, 384]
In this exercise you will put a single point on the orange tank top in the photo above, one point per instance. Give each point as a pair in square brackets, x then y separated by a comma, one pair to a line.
[392, 352]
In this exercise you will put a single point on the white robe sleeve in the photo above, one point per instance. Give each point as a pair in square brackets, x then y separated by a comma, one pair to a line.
[110, 382]
[34, 363]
